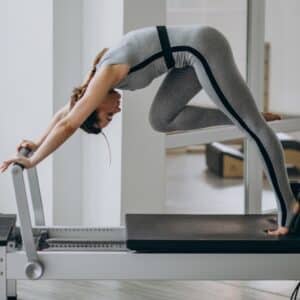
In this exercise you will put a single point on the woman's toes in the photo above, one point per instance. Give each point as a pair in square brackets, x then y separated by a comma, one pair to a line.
[279, 231]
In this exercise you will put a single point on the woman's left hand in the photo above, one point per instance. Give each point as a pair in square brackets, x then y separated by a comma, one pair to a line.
[26, 162]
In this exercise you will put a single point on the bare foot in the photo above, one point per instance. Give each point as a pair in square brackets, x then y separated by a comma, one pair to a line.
[285, 230]
[279, 231]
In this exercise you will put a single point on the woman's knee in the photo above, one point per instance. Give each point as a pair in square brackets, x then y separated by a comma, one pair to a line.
[213, 43]
[157, 122]
[158, 126]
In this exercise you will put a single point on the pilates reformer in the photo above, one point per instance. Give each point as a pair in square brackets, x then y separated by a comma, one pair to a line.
[152, 246]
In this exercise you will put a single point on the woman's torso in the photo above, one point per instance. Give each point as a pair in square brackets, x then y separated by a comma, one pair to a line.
[141, 50]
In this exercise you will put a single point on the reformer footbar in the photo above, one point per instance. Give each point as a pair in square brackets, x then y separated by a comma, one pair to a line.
[189, 247]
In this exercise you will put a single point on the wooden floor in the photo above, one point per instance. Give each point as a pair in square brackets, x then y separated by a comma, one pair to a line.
[190, 189]
[153, 290]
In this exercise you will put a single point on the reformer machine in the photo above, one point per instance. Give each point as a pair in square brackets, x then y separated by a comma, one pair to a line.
[161, 247]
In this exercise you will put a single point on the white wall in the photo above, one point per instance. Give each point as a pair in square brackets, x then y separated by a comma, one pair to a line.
[143, 150]
[48, 49]
[67, 41]
[282, 31]
[101, 27]
[282, 26]
[26, 87]
[135, 179]
[228, 16]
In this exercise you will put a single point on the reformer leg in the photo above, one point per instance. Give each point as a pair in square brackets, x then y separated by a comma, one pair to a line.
[11, 289]
[3, 281]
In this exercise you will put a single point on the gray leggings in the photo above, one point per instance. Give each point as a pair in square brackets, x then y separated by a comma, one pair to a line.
[212, 68]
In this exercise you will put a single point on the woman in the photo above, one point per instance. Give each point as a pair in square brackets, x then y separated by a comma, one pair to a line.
[193, 57]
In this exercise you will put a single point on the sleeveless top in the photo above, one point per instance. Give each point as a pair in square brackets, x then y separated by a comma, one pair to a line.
[142, 50]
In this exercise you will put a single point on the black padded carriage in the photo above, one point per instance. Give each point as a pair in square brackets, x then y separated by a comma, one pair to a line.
[7, 224]
[207, 234]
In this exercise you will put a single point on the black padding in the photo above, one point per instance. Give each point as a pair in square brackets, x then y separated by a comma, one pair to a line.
[7, 223]
[288, 142]
[215, 155]
[296, 225]
[295, 186]
[207, 234]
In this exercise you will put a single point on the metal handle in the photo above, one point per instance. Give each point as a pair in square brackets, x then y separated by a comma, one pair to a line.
[34, 186]
[24, 151]
[34, 268]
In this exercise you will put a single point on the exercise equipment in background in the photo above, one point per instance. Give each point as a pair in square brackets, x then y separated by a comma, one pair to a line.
[227, 161]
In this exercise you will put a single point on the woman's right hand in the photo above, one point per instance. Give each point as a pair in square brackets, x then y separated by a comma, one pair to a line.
[27, 144]
[24, 160]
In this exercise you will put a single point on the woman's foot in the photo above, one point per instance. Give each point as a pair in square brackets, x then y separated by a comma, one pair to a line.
[279, 231]
[282, 230]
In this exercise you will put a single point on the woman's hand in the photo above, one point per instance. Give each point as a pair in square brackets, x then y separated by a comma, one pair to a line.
[27, 144]
[26, 162]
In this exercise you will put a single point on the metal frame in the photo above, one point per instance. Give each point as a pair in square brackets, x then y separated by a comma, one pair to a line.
[36, 197]
[102, 262]
[11, 289]
[222, 133]
[253, 183]
[106, 263]
[141, 266]
[25, 220]
[3, 275]
[126, 265]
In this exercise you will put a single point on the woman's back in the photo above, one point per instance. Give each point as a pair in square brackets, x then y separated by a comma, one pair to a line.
[141, 49]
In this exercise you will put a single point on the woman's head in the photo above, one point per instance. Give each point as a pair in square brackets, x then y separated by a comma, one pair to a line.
[108, 108]
[104, 113]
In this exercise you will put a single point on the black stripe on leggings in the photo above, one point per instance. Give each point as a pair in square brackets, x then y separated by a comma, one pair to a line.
[230, 109]
[146, 62]
[241, 121]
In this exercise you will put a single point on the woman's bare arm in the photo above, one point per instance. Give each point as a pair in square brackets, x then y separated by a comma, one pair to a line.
[100, 85]
[56, 118]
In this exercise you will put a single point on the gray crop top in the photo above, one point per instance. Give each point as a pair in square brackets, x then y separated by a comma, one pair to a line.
[141, 49]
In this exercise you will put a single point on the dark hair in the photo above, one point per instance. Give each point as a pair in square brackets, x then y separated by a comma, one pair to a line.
[90, 124]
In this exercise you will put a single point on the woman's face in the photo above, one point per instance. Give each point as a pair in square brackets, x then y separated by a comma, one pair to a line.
[107, 109]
